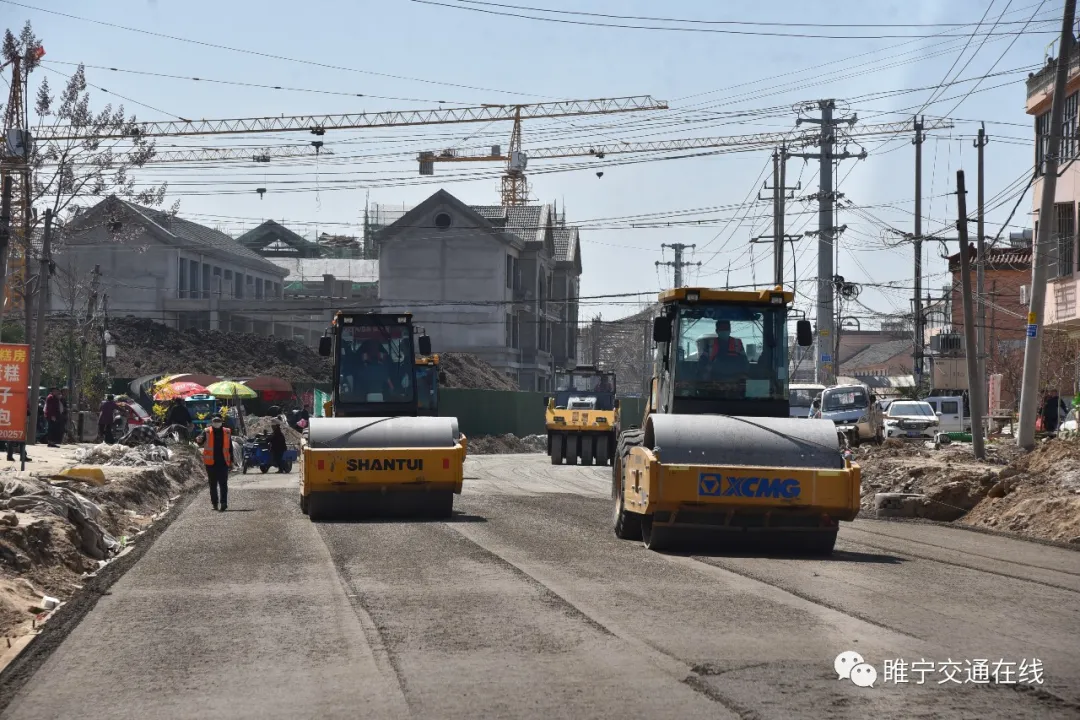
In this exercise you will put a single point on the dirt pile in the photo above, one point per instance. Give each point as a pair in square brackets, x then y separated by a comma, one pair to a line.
[55, 531]
[462, 370]
[145, 347]
[1035, 494]
[507, 444]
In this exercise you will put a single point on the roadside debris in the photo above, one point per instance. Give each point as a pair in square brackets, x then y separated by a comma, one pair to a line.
[1035, 494]
[506, 444]
[124, 455]
[462, 370]
[58, 529]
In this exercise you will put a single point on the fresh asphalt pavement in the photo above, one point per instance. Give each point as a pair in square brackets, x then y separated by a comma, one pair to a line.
[524, 605]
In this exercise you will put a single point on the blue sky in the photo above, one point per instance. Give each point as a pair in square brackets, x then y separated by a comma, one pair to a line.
[716, 84]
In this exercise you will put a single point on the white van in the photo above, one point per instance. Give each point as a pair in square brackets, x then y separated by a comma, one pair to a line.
[950, 412]
[800, 397]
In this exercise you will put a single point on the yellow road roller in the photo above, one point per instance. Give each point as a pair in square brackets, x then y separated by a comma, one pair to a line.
[376, 455]
[716, 458]
[582, 417]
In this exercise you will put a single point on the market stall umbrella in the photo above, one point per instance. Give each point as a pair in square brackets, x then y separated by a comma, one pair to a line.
[271, 389]
[179, 390]
[230, 389]
[204, 380]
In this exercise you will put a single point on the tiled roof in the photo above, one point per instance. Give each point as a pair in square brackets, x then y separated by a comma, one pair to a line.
[271, 232]
[521, 220]
[195, 234]
[1004, 258]
[876, 355]
[565, 240]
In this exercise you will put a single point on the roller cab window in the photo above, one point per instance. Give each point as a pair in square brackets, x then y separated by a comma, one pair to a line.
[731, 352]
[376, 365]
[585, 390]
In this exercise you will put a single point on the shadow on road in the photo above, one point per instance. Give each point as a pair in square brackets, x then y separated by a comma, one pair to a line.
[400, 520]
[837, 556]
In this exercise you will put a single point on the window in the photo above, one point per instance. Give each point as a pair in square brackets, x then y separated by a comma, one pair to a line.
[509, 330]
[376, 364]
[443, 221]
[1065, 236]
[193, 280]
[910, 409]
[1068, 130]
[509, 272]
[1042, 139]
[517, 329]
[182, 280]
[711, 358]
[839, 400]
[950, 407]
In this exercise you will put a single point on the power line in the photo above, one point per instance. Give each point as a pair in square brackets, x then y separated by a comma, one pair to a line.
[721, 31]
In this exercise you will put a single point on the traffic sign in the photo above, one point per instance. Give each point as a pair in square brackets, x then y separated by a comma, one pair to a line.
[1032, 330]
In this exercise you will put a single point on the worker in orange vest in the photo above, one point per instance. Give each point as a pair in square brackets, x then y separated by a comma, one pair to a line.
[724, 344]
[216, 443]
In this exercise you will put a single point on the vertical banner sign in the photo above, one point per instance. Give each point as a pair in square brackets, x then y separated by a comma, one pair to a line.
[14, 376]
[995, 393]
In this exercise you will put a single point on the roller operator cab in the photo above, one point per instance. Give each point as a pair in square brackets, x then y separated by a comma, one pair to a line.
[582, 417]
[376, 453]
[717, 456]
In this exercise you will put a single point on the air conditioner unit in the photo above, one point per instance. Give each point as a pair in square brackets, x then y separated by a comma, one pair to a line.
[1024, 299]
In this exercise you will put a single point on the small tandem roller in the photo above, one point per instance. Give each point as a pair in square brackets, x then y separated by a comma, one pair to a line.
[717, 457]
[377, 455]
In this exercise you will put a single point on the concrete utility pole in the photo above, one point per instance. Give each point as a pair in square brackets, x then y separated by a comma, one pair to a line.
[980, 270]
[824, 367]
[38, 354]
[1029, 393]
[975, 383]
[779, 198]
[920, 333]
[5, 237]
[678, 263]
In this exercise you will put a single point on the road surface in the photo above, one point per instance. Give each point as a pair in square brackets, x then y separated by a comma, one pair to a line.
[526, 606]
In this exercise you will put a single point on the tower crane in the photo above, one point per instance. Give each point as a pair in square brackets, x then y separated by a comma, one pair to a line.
[516, 158]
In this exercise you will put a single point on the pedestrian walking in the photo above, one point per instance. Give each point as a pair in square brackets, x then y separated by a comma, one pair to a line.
[20, 446]
[216, 442]
[54, 416]
[106, 416]
[278, 445]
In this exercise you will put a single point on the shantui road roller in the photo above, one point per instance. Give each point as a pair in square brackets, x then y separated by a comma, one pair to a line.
[582, 417]
[716, 458]
[376, 454]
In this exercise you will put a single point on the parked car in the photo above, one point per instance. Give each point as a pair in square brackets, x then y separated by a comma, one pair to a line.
[856, 407]
[801, 399]
[911, 420]
[950, 411]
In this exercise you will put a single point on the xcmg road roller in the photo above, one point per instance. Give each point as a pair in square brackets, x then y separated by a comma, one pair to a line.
[716, 455]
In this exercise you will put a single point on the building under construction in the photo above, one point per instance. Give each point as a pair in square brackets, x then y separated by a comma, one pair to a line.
[622, 346]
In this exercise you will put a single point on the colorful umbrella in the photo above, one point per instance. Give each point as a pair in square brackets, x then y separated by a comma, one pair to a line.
[179, 390]
[230, 389]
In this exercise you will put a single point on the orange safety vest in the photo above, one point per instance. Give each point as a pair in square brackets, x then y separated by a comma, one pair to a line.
[734, 347]
[208, 448]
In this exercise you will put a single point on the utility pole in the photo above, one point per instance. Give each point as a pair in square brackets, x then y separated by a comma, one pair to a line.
[104, 333]
[975, 385]
[1029, 393]
[678, 262]
[5, 238]
[38, 348]
[824, 367]
[980, 271]
[920, 333]
[779, 198]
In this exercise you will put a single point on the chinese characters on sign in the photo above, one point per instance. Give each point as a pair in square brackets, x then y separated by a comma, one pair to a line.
[14, 376]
